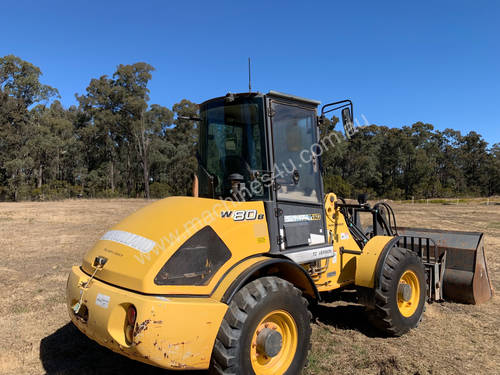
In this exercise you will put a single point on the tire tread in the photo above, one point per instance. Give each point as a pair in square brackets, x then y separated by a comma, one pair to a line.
[225, 351]
[380, 316]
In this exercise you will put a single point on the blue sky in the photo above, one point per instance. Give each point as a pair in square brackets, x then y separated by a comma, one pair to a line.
[400, 62]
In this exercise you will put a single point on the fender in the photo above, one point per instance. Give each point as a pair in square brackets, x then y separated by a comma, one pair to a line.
[265, 266]
[382, 258]
[369, 263]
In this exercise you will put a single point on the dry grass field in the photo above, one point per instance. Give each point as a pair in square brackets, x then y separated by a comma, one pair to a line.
[39, 242]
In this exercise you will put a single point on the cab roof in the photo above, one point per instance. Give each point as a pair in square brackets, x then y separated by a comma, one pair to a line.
[270, 93]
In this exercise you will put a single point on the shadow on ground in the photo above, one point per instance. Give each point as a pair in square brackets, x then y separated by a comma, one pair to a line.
[68, 351]
[345, 317]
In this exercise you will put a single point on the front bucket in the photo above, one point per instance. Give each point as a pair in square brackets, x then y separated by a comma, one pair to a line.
[466, 278]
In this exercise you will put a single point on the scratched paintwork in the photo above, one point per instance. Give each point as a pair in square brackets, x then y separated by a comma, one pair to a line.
[177, 333]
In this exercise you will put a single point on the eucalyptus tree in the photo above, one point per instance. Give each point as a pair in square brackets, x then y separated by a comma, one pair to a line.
[20, 89]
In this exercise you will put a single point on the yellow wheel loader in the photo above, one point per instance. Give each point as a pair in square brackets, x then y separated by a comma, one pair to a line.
[224, 279]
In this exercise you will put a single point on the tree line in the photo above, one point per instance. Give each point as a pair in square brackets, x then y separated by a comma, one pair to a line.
[416, 161]
[115, 143]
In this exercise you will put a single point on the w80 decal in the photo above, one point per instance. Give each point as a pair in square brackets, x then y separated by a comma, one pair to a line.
[241, 215]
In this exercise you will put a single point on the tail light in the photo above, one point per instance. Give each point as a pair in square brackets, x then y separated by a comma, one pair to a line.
[130, 323]
[131, 315]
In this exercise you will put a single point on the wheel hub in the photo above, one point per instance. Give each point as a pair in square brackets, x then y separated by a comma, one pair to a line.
[408, 293]
[274, 343]
[404, 292]
[269, 342]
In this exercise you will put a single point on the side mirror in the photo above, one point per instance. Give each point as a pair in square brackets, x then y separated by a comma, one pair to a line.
[348, 122]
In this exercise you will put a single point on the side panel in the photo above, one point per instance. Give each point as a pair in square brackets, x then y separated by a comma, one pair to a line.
[301, 225]
[166, 225]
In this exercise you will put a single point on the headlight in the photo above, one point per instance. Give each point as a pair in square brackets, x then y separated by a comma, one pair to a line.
[196, 261]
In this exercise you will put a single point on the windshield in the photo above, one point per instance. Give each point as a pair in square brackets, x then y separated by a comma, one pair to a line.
[232, 149]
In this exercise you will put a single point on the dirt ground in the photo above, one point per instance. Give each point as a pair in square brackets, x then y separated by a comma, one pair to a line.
[39, 242]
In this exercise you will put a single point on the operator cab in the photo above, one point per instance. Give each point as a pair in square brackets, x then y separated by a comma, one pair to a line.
[266, 147]
[232, 148]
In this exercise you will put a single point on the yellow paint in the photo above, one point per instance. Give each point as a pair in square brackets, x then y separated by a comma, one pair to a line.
[342, 265]
[282, 322]
[179, 333]
[174, 333]
[348, 268]
[169, 223]
[408, 308]
[233, 274]
[367, 263]
[260, 229]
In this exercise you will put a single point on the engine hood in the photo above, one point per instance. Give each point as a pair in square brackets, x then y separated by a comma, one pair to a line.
[138, 247]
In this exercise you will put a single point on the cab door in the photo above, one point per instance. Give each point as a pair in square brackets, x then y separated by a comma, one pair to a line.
[298, 184]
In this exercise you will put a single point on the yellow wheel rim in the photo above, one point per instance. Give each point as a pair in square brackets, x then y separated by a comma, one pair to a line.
[407, 306]
[284, 324]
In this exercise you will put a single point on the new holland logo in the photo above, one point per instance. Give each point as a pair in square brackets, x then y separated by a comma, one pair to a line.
[241, 215]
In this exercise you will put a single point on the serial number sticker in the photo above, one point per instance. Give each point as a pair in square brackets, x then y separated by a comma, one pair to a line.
[102, 300]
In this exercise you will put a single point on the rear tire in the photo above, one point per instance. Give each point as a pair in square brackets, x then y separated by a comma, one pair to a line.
[396, 310]
[266, 303]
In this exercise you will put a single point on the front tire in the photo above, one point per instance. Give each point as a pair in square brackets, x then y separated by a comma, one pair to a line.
[399, 299]
[266, 330]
